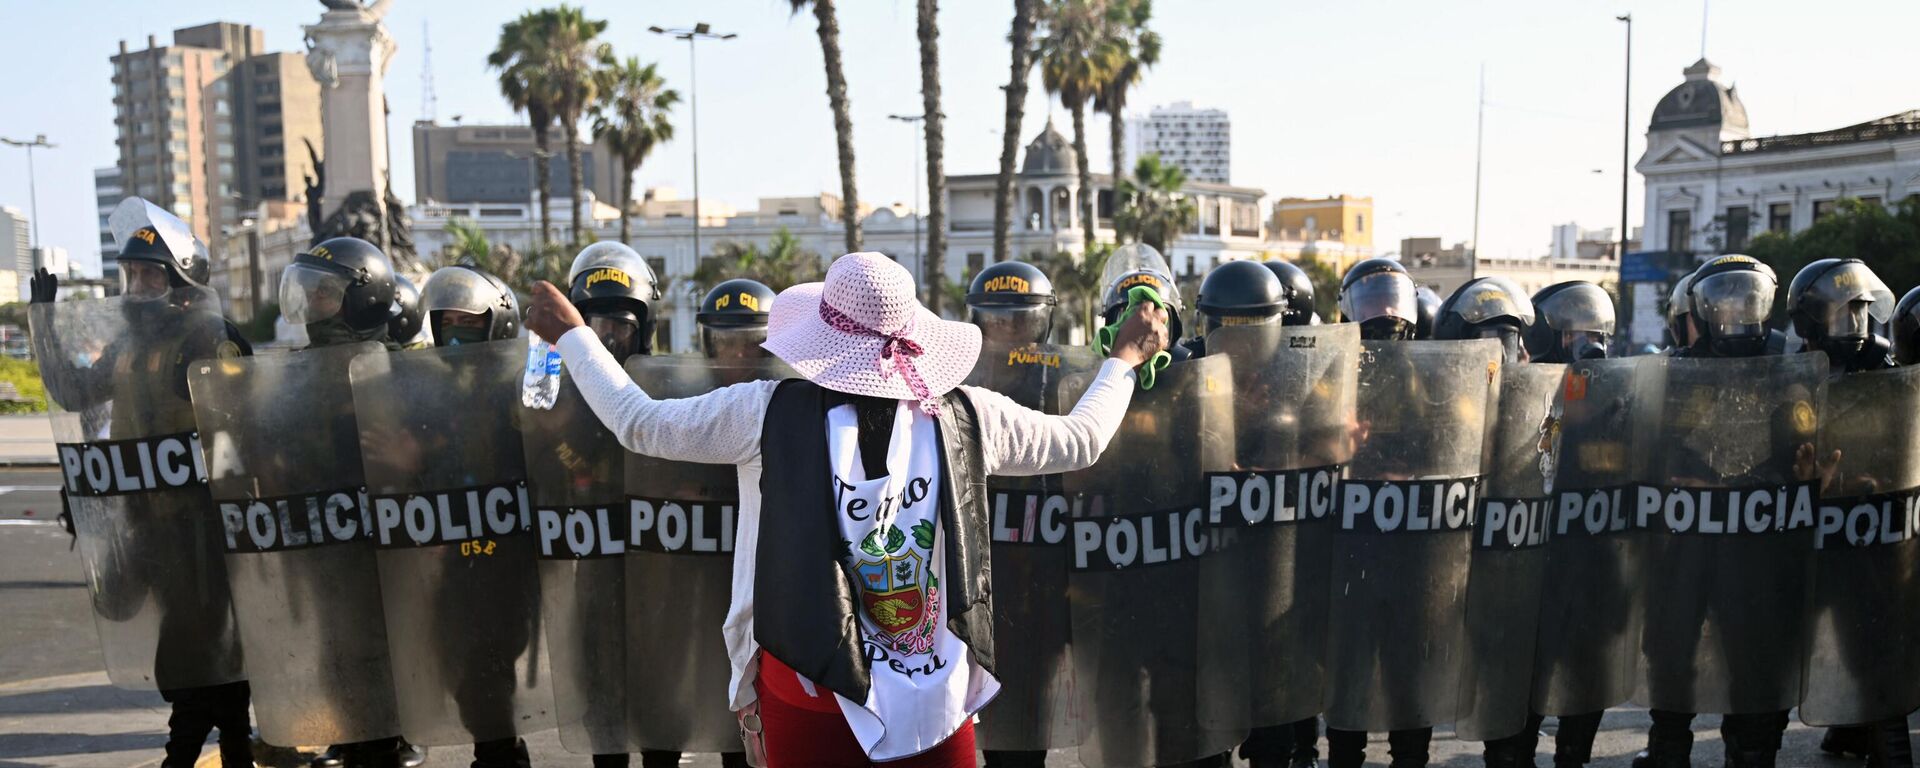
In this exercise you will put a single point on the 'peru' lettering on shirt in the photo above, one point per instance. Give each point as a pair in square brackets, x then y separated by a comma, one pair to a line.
[296, 522]
[432, 518]
[139, 465]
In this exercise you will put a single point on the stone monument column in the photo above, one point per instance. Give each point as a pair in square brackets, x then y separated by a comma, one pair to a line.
[349, 51]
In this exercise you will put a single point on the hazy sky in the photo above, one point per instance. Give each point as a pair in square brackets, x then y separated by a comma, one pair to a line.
[1365, 97]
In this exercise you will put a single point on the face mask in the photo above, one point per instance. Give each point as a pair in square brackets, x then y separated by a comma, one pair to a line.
[463, 334]
[1739, 346]
[1386, 329]
[1585, 347]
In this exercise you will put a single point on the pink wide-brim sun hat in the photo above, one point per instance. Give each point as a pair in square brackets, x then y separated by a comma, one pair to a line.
[834, 332]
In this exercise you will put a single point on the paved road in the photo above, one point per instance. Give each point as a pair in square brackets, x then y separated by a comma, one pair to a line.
[57, 710]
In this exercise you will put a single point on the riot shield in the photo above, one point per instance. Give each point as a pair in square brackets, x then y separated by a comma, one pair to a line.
[1509, 557]
[1039, 705]
[1729, 512]
[1396, 625]
[1138, 543]
[1586, 651]
[441, 441]
[679, 572]
[575, 479]
[1265, 590]
[283, 452]
[1862, 663]
[136, 481]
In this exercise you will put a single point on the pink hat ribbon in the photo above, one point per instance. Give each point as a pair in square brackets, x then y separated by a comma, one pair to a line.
[896, 347]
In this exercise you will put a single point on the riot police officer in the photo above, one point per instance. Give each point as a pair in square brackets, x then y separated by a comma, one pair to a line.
[615, 290]
[409, 325]
[733, 319]
[1906, 328]
[1429, 306]
[1237, 293]
[1488, 308]
[1012, 302]
[1138, 264]
[1680, 315]
[1573, 321]
[1380, 295]
[465, 305]
[1298, 289]
[163, 276]
[1836, 306]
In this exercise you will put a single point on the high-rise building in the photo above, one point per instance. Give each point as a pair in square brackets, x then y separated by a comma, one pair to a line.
[16, 253]
[1199, 141]
[457, 164]
[212, 124]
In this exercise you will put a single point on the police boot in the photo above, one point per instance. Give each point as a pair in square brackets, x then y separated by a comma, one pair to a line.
[1892, 747]
[334, 757]
[1845, 741]
[412, 755]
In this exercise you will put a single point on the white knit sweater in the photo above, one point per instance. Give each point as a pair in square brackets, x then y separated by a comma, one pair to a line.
[723, 427]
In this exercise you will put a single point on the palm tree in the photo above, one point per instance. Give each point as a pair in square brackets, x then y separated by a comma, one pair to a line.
[1077, 57]
[934, 267]
[520, 57]
[1136, 48]
[1076, 283]
[1022, 39]
[829, 29]
[574, 58]
[1151, 208]
[631, 117]
[783, 264]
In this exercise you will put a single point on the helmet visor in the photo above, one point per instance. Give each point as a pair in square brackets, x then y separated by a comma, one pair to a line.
[1852, 294]
[1734, 303]
[1023, 324]
[1512, 348]
[1493, 298]
[1381, 294]
[1583, 308]
[144, 280]
[310, 295]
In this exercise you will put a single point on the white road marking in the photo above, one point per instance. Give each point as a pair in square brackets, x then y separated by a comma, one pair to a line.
[6, 489]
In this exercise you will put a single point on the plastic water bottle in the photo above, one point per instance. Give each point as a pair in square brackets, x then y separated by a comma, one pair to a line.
[541, 384]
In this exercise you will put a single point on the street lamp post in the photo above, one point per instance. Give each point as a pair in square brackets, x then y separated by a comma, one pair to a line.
[693, 35]
[915, 120]
[1626, 136]
[33, 195]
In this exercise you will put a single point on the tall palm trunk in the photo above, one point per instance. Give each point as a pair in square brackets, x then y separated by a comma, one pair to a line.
[829, 29]
[934, 271]
[542, 171]
[626, 202]
[1086, 170]
[1022, 39]
[576, 176]
[1117, 137]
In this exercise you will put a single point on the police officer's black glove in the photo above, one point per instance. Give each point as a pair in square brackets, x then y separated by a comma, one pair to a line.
[43, 286]
[66, 522]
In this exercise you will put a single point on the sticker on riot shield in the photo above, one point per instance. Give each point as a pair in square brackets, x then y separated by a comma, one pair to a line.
[679, 573]
[1264, 593]
[131, 464]
[440, 437]
[1587, 648]
[298, 541]
[1729, 512]
[1509, 556]
[1865, 619]
[1137, 553]
[1403, 531]
[1040, 705]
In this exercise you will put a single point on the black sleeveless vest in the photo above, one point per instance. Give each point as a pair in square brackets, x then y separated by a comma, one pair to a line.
[805, 602]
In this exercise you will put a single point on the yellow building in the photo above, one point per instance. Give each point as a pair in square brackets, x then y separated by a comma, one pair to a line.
[1316, 224]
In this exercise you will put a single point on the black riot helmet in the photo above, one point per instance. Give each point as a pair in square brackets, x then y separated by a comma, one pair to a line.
[1380, 296]
[1572, 321]
[1488, 308]
[157, 250]
[1837, 305]
[1136, 264]
[1732, 297]
[615, 290]
[1012, 302]
[1906, 328]
[733, 319]
[1298, 289]
[1680, 311]
[1429, 307]
[466, 290]
[339, 284]
[1241, 293]
[408, 320]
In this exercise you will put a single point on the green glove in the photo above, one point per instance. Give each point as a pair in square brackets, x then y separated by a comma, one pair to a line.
[1103, 337]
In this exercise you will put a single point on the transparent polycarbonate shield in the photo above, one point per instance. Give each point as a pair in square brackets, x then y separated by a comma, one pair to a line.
[1396, 640]
[283, 454]
[1587, 648]
[680, 572]
[116, 375]
[1040, 705]
[1265, 591]
[440, 436]
[576, 481]
[1138, 544]
[1863, 660]
[1729, 513]
[1509, 556]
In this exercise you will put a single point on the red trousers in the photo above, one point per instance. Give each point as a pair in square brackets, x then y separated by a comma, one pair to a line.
[802, 738]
